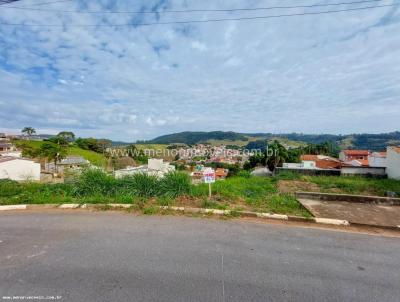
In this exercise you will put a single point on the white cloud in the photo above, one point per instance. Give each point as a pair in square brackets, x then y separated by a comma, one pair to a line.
[330, 73]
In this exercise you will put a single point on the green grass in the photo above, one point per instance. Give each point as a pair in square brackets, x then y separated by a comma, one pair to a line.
[238, 188]
[142, 191]
[355, 185]
[96, 159]
[147, 192]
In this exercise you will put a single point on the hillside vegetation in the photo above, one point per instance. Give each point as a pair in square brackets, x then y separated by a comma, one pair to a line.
[376, 142]
[95, 158]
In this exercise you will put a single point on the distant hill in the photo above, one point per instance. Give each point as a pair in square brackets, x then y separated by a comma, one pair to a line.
[373, 142]
[198, 137]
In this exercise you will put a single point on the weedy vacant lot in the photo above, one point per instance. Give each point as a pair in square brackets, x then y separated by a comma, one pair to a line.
[145, 192]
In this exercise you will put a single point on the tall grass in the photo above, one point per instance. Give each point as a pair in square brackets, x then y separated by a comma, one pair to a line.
[175, 184]
[356, 185]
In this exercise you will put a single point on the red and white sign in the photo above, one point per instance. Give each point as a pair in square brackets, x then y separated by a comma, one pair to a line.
[209, 176]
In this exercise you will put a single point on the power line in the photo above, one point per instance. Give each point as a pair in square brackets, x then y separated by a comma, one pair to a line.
[7, 1]
[45, 3]
[202, 21]
[193, 10]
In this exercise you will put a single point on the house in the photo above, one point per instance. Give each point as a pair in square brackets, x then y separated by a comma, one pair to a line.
[221, 173]
[315, 162]
[5, 147]
[19, 169]
[155, 167]
[349, 155]
[393, 162]
[320, 161]
[73, 162]
[14, 153]
[377, 159]
[362, 167]
[70, 162]
[3, 137]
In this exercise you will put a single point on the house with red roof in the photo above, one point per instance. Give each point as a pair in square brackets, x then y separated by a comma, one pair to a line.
[349, 155]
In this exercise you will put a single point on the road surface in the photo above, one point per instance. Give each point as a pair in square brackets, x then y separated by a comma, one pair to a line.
[110, 256]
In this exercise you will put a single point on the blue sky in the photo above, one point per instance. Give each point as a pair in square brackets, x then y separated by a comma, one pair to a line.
[336, 73]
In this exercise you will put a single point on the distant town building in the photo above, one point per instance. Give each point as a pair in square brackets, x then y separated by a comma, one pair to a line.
[393, 162]
[19, 169]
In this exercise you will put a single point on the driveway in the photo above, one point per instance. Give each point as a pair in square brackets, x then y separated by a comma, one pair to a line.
[354, 212]
[109, 256]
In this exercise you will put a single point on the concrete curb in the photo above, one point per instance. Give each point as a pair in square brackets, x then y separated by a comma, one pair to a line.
[69, 206]
[13, 207]
[332, 221]
[326, 221]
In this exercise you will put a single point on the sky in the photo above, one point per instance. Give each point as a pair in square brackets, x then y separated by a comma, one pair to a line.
[331, 73]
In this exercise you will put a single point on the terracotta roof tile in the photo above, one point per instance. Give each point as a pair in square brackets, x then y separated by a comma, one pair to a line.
[356, 152]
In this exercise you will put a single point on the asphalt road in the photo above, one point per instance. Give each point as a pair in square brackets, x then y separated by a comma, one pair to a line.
[107, 256]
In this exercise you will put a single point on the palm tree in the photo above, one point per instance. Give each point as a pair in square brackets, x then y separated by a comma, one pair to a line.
[29, 131]
[275, 155]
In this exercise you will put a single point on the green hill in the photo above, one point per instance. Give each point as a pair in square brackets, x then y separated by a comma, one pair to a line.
[375, 142]
[95, 158]
[198, 137]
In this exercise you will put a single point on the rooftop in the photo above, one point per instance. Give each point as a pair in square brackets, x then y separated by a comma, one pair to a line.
[4, 159]
[73, 160]
[396, 149]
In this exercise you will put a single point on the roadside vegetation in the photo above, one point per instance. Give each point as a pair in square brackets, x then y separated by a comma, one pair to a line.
[239, 193]
[143, 192]
[290, 182]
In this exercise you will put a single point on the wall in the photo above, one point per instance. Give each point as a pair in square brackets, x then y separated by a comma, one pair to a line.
[375, 161]
[20, 170]
[330, 172]
[371, 171]
[349, 198]
[393, 163]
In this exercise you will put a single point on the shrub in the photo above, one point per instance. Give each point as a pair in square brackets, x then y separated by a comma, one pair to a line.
[286, 204]
[95, 182]
[143, 185]
[287, 175]
[175, 184]
[244, 173]
[9, 188]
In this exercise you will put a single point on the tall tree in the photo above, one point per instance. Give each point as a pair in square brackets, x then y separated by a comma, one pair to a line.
[29, 131]
[53, 152]
[276, 155]
[67, 135]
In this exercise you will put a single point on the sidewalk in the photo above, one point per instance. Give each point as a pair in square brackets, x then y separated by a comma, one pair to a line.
[353, 212]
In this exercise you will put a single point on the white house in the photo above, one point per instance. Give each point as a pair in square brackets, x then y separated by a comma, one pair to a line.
[155, 167]
[19, 169]
[393, 162]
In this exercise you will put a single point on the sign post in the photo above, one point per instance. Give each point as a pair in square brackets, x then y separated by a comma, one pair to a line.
[209, 178]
